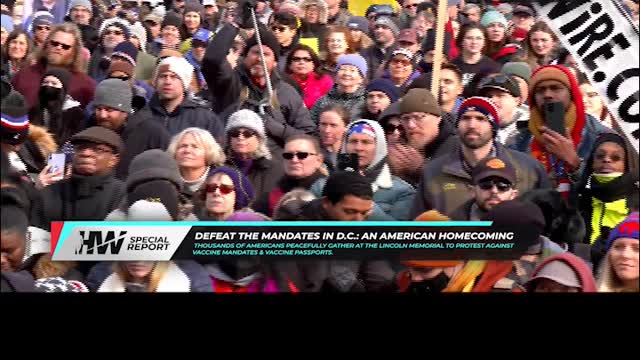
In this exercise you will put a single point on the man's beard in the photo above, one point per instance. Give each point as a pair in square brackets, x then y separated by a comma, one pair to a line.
[58, 60]
[477, 143]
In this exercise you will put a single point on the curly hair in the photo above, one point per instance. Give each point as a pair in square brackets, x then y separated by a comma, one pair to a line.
[79, 63]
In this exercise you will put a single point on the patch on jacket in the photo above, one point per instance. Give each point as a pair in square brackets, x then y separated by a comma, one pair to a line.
[449, 186]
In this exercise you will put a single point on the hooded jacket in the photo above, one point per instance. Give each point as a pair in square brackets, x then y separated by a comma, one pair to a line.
[319, 29]
[232, 90]
[355, 102]
[188, 114]
[35, 151]
[581, 269]
[444, 180]
[392, 196]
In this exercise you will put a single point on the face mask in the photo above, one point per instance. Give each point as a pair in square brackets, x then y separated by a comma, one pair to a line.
[606, 178]
[49, 93]
[435, 285]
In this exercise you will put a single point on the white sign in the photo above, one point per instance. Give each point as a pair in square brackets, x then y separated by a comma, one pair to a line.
[604, 41]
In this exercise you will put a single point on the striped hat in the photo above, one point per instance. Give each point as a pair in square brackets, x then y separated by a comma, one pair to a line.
[482, 105]
[14, 119]
[362, 128]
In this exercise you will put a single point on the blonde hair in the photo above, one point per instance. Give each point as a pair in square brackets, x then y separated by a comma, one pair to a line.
[79, 63]
[214, 155]
[608, 280]
[157, 273]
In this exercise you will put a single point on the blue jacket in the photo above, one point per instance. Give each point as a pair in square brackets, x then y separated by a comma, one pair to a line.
[392, 196]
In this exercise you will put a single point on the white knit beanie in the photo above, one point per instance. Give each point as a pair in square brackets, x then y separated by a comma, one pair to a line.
[250, 120]
[179, 66]
[124, 24]
[138, 31]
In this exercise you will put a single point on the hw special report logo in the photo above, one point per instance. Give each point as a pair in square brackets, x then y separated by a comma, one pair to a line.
[111, 242]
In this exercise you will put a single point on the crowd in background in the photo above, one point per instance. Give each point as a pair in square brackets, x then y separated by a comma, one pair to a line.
[170, 111]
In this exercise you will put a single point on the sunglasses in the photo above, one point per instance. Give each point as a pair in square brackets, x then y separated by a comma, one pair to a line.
[301, 155]
[298, 59]
[43, 27]
[613, 158]
[245, 133]
[502, 186]
[409, 6]
[114, 32]
[402, 62]
[279, 28]
[390, 128]
[224, 189]
[123, 78]
[497, 80]
[59, 44]
[198, 44]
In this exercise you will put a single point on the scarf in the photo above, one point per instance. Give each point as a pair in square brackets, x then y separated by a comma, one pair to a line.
[608, 202]
[558, 169]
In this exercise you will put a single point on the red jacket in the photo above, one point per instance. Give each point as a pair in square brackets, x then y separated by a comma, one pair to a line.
[27, 80]
[314, 88]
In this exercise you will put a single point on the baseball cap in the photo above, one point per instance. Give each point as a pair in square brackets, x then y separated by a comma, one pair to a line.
[493, 167]
[408, 35]
[523, 9]
[202, 35]
[500, 82]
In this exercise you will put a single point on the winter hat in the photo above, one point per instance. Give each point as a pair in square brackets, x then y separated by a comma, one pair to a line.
[558, 73]
[385, 86]
[519, 215]
[601, 139]
[14, 119]
[6, 22]
[483, 105]
[123, 66]
[405, 52]
[243, 188]
[501, 82]
[114, 93]
[100, 135]
[566, 269]
[358, 23]
[420, 100]
[355, 60]
[126, 50]
[373, 129]
[519, 69]
[116, 21]
[140, 33]
[250, 120]
[153, 165]
[172, 19]
[177, 65]
[194, 6]
[386, 21]
[58, 284]
[42, 17]
[491, 17]
[628, 228]
[84, 3]
[408, 35]
[268, 39]
[431, 215]
[156, 191]
[61, 74]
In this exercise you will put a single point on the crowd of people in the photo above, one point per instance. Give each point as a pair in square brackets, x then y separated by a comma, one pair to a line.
[172, 111]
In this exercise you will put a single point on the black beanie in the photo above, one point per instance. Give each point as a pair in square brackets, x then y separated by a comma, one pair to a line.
[15, 122]
[519, 215]
[61, 74]
[603, 138]
[172, 18]
[268, 39]
[160, 191]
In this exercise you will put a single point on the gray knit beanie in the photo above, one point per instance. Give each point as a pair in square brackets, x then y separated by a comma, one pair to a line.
[153, 165]
[114, 93]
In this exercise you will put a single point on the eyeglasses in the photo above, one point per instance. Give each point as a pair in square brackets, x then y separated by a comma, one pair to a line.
[123, 78]
[300, 155]
[390, 128]
[418, 119]
[613, 158]
[402, 62]
[43, 27]
[502, 186]
[234, 133]
[97, 148]
[54, 43]
[224, 189]
[114, 32]
[279, 28]
[198, 44]
[298, 59]
[409, 6]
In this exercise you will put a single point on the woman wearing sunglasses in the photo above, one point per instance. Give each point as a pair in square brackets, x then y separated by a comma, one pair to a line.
[303, 165]
[392, 196]
[608, 192]
[304, 67]
[246, 149]
[401, 69]
[224, 192]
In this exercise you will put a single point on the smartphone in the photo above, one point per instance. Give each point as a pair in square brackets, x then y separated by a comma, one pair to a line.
[57, 162]
[348, 162]
[554, 117]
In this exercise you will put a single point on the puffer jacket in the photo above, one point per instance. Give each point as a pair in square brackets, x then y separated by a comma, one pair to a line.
[355, 102]
[392, 196]
[444, 180]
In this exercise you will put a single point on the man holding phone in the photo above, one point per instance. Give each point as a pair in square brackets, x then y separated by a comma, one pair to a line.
[560, 132]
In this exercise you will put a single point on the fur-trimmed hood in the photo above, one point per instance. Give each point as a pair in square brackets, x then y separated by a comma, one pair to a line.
[174, 280]
[322, 6]
[40, 136]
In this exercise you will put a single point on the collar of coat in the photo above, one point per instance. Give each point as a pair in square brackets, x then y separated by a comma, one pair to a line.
[174, 280]
[384, 179]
